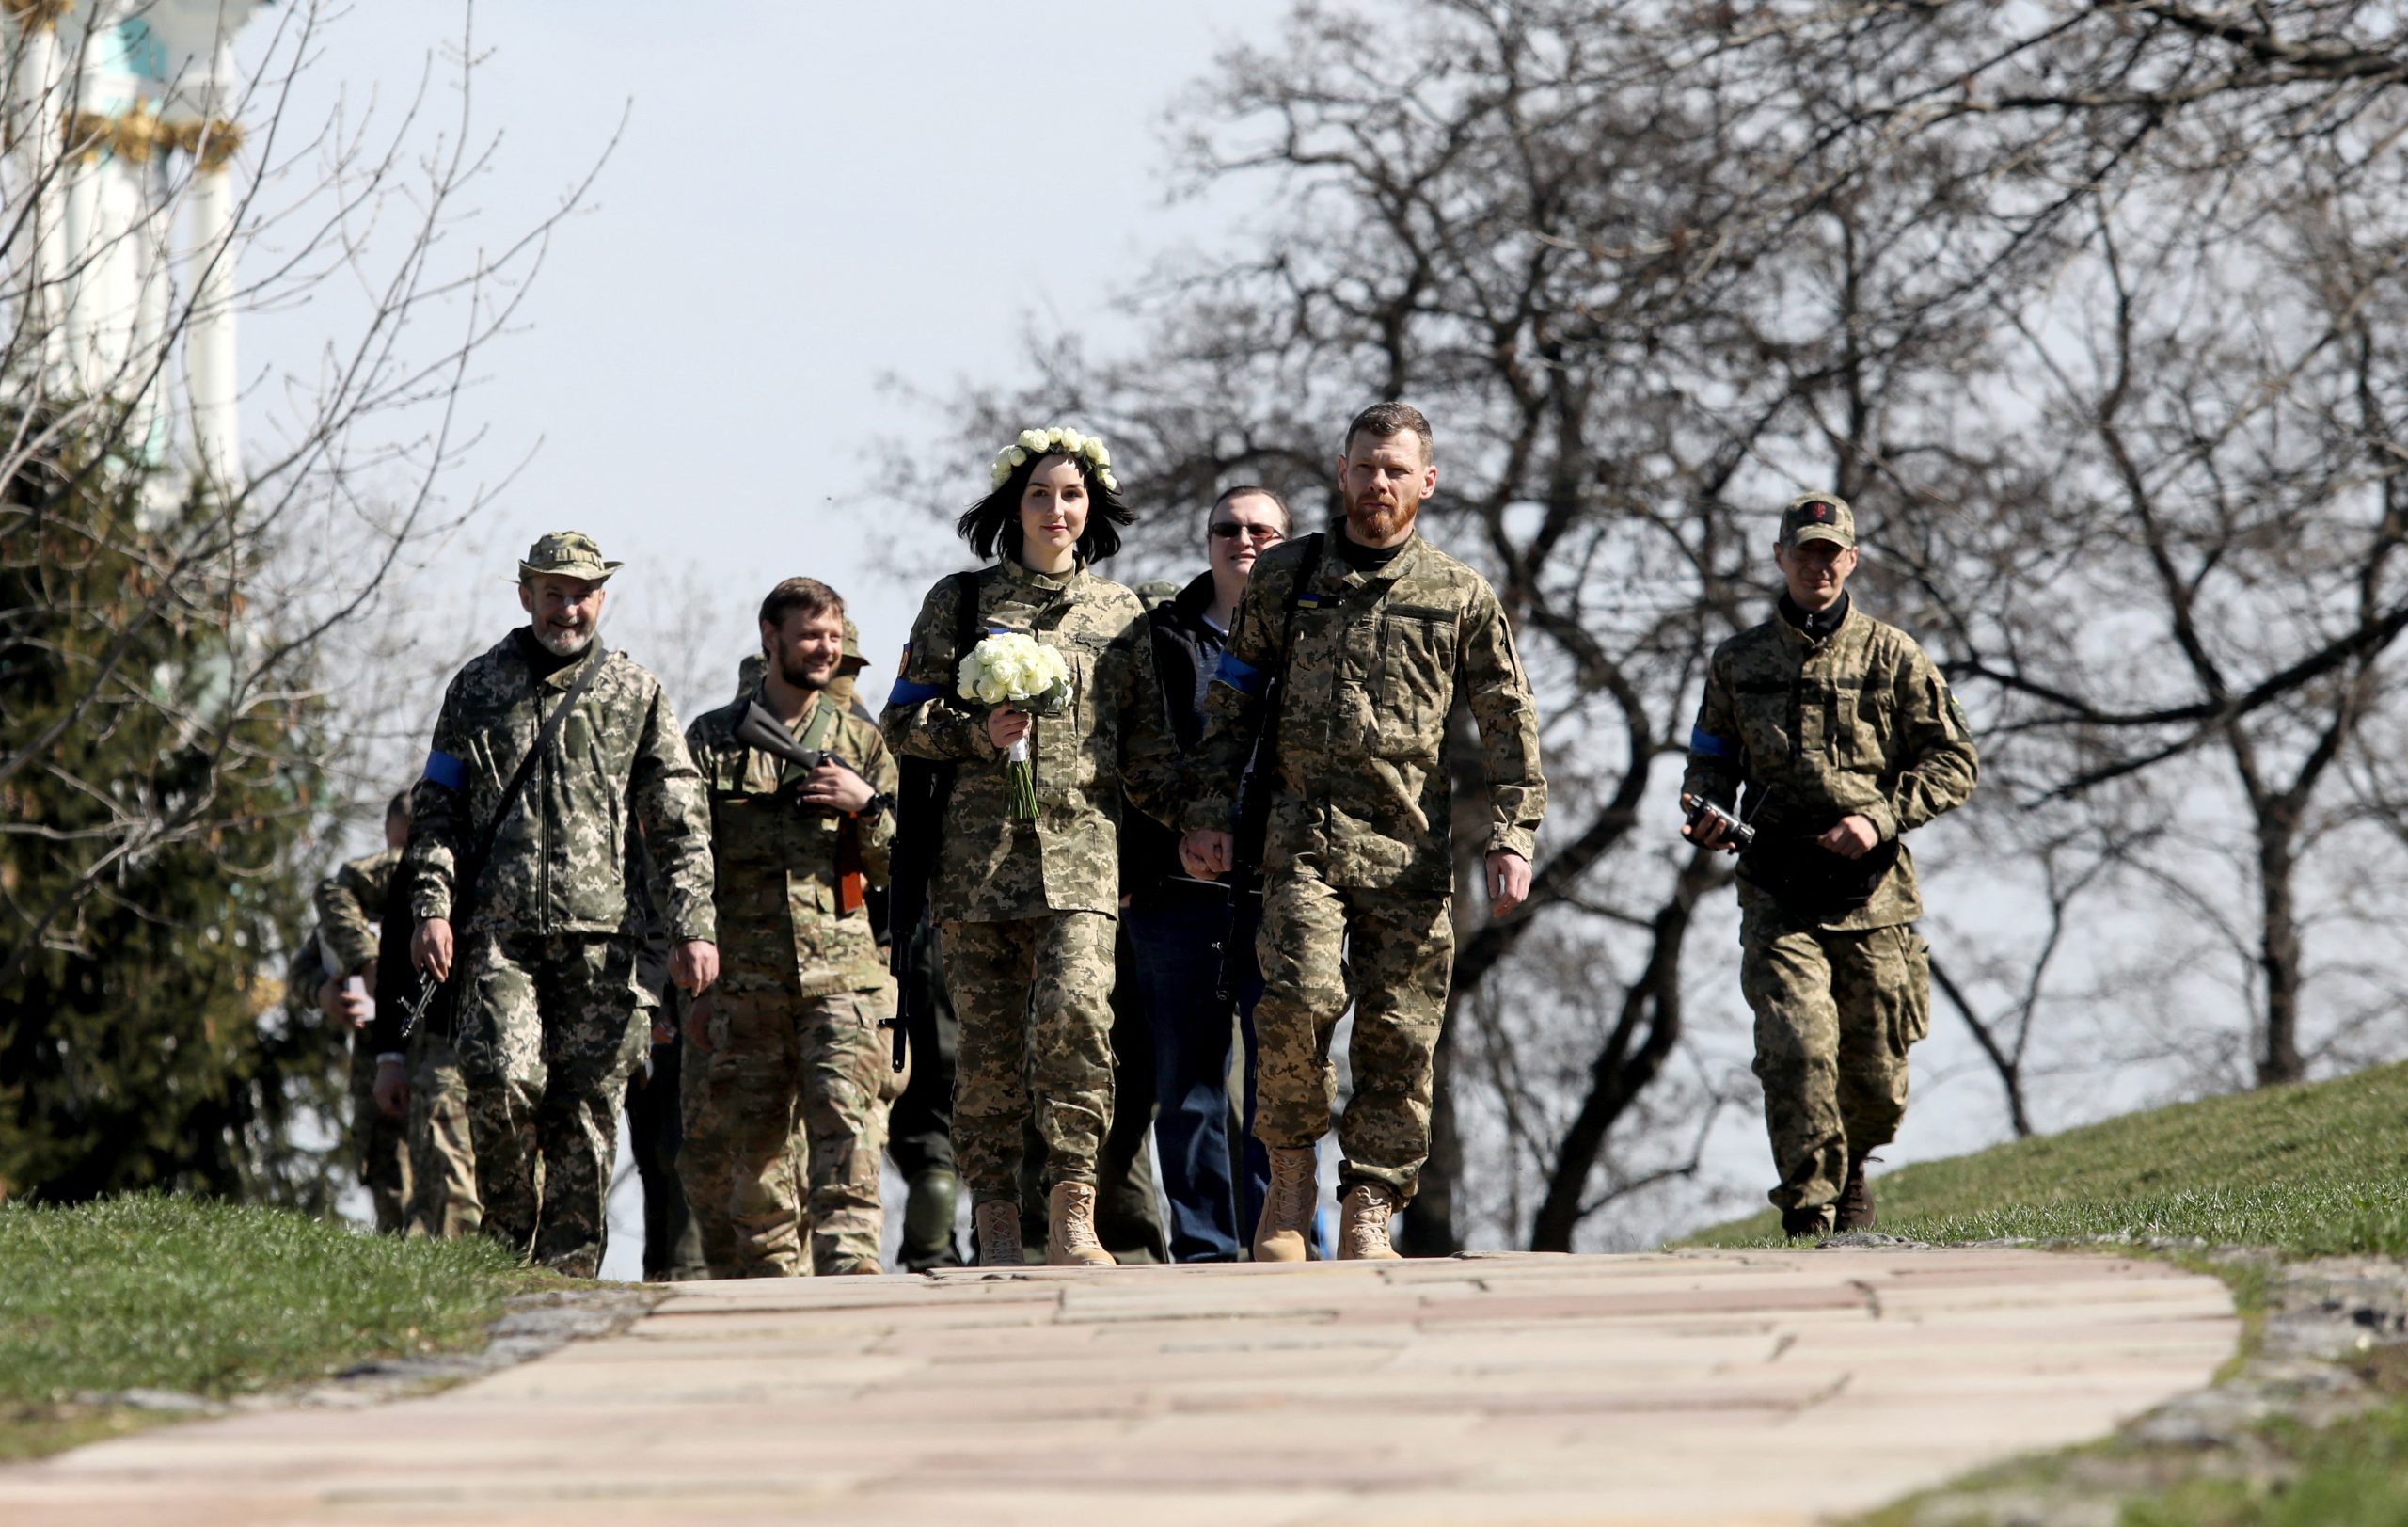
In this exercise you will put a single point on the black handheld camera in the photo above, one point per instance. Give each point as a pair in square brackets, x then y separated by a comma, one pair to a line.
[1737, 834]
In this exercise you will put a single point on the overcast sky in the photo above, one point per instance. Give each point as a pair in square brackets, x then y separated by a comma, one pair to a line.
[807, 200]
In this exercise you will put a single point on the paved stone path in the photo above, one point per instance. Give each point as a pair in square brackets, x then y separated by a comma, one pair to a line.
[1752, 1388]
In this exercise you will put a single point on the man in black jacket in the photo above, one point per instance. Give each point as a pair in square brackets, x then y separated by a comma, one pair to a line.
[1176, 922]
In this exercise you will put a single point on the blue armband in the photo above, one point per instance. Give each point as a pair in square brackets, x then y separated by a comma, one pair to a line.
[445, 771]
[1239, 675]
[907, 693]
[1705, 744]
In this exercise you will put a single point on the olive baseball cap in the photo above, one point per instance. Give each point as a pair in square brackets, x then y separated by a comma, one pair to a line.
[566, 554]
[1817, 517]
[852, 661]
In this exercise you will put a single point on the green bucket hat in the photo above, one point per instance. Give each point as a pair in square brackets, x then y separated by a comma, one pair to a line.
[1817, 517]
[852, 661]
[566, 554]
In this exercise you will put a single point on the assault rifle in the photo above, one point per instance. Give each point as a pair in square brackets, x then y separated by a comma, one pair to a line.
[761, 730]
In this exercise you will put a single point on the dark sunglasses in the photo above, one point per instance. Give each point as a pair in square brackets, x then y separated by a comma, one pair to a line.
[1229, 531]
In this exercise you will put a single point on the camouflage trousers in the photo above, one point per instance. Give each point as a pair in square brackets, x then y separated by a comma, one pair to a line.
[547, 1040]
[1034, 999]
[380, 1145]
[1399, 947]
[784, 1126]
[443, 1155]
[1835, 1013]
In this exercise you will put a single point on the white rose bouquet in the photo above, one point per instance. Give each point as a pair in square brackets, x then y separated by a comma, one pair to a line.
[1031, 677]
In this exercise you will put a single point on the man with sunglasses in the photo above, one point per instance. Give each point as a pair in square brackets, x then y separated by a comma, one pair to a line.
[1845, 737]
[1176, 922]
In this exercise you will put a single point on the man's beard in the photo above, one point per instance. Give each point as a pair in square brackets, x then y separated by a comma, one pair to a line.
[561, 643]
[802, 679]
[1380, 522]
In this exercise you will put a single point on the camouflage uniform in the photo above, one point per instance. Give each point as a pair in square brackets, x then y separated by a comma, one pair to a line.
[1028, 910]
[376, 1142]
[1359, 860]
[545, 969]
[437, 1167]
[1855, 723]
[793, 1022]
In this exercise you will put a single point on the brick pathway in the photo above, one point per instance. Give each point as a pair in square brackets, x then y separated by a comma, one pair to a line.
[1752, 1387]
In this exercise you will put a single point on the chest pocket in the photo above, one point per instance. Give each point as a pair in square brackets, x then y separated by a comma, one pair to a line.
[1413, 679]
[1085, 652]
[1765, 722]
[1872, 715]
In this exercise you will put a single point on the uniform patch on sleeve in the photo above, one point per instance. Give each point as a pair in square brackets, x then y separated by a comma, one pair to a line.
[445, 771]
[907, 693]
[1706, 744]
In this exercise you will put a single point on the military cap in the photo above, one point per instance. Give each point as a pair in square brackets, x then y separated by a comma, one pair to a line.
[1817, 517]
[852, 661]
[566, 554]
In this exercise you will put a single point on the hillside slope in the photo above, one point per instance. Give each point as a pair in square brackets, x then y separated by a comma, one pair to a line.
[2313, 1170]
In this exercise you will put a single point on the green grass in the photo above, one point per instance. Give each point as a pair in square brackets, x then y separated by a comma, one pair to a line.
[212, 1300]
[2310, 1170]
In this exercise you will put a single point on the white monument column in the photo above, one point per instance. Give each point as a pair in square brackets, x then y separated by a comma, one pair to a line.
[209, 383]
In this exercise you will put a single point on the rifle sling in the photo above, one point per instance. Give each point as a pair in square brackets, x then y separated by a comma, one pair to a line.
[1276, 701]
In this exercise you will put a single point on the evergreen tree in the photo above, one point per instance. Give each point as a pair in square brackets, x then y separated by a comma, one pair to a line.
[159, 800]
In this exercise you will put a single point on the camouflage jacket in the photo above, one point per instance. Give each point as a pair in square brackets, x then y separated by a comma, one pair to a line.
[350, 901]
[1856, 723]
[1110, 739]
[1379, 659]
[781, 915]
[559, 862]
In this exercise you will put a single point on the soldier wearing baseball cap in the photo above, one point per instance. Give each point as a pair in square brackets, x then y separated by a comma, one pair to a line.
[1845, 738]
[1817, 517]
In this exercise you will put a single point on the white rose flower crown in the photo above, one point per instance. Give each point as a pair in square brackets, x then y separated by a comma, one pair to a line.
[1054, 442]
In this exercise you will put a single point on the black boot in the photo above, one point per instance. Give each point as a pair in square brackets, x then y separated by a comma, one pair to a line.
[1807, 1224]
[927, 1221]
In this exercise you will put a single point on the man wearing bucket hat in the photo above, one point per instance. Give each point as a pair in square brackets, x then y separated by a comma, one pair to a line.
[541, 956]
[1845, 737]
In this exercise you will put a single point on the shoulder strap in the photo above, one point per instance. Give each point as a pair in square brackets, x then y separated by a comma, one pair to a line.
[470, 871]
[1278, 696]
[1318, 541]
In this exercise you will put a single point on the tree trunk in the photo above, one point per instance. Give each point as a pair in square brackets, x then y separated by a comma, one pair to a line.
[2278, 1061]
[1642, 1039]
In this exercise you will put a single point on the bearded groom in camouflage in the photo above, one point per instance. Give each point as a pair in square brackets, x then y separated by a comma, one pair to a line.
[793, 1026]
[1845, 737]
[1374, 633]
[547, 1002]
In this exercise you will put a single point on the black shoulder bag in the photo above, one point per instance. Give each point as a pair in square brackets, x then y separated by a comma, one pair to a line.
[407, 996]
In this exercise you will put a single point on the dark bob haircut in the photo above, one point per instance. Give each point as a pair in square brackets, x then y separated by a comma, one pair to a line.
[992, 526]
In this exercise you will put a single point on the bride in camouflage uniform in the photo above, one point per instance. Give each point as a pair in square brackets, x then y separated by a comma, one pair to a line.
[1027, 910]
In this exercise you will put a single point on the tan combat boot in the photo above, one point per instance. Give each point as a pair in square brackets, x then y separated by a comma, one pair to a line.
[994, 1225]
[1284, 1233]
[1363, 1231]
[1069, 1228]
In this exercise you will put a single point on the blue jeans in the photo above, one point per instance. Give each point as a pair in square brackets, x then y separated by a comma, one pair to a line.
[1179, 967]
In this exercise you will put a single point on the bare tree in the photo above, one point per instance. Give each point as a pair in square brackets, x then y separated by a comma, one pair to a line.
[165, 591]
